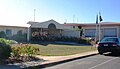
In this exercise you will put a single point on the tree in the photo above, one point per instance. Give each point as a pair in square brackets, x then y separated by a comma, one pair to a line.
[2, 34]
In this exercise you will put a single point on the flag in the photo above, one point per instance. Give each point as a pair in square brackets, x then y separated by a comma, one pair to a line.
[97, 19]
[100, 17]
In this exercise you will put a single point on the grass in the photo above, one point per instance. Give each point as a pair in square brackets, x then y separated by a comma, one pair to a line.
[62, 50]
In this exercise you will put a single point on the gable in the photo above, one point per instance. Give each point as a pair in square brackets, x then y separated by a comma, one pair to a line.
[46, 24]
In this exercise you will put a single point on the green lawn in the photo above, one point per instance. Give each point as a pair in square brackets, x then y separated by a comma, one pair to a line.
[62, 50]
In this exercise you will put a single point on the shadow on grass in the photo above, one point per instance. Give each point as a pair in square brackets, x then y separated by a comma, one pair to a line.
[43, 43]
[46, 43]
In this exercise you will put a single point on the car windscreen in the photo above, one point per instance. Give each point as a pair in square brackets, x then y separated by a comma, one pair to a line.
[110, 40]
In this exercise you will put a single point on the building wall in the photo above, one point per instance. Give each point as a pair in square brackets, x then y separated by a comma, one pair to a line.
[69, 30]
[13, 29]
[103, 30]
[118, 31]
[71, 33]
[70, 27]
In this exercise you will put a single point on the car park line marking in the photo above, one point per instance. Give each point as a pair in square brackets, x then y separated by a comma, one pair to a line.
[103, 63]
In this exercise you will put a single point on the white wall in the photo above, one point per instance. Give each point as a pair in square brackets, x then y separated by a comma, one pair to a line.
[13, 29]
[71, 33]
[102, 30]
[70, 27]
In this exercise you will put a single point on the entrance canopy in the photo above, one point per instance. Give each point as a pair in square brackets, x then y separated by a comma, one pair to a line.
[45, 30]
[51, 24]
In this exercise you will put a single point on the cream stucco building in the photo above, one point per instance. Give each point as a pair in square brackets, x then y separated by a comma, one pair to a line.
[107, 29]
[51, 29]
[13, 30]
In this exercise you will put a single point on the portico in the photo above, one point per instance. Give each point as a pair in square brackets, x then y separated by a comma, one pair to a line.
[44, 30]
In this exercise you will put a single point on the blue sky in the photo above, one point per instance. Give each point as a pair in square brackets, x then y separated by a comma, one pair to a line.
[19, 12]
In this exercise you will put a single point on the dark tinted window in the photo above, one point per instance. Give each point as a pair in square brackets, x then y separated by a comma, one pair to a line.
[110, 40]
[8, 32]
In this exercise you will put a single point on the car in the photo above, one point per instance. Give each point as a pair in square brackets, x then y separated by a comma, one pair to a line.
[109, 44]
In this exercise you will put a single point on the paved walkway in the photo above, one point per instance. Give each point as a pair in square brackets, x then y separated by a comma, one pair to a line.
[51, 59]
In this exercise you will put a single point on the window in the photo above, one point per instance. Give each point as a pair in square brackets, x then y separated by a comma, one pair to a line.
[51, 26]
[90, 32]
[110, 40]
[73, 26]
[8, 32]
[110, 32]
[20, 32]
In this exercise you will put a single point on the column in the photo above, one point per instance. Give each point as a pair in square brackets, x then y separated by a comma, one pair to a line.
[28, 33]
[41, 32]
[60, 32]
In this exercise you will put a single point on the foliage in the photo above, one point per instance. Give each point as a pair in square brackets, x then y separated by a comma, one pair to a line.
[63, 38]
[5, 50]
[20, 37]
[2, 34]
[74, 39]
[5, 41]
[24, 50]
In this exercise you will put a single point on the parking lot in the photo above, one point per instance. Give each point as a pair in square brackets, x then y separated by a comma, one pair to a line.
[107, 61]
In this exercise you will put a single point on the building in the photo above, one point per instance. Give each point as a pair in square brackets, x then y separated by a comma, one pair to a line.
[13, 32]
[52, 29]
[107, 29]
[47, 29]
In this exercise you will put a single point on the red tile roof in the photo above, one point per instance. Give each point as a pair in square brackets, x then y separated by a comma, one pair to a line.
[93, 24]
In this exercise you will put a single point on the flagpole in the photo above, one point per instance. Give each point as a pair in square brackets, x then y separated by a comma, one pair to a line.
[34, 14]
[99, 31]
[96, 34]
[100, 18]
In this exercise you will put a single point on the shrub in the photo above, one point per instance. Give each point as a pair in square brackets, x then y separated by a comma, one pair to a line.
[24, 50]
[63, 38]
[5, 41]
[20, 37]
[5, 51]
[85, 41]
[2, 34]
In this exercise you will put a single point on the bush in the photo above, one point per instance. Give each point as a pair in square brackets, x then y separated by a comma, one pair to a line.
[24, 50]
[2, 34]
[63, 38]
[5, 51]
[20, 37]
[5, 41]
[85, 41]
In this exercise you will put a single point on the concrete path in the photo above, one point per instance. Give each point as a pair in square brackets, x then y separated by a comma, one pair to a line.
[54, 60]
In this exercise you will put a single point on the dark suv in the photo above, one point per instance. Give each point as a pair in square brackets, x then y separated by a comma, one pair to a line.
[109, 44]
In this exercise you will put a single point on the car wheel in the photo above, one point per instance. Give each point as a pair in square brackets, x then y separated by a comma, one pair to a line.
[100, 52]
